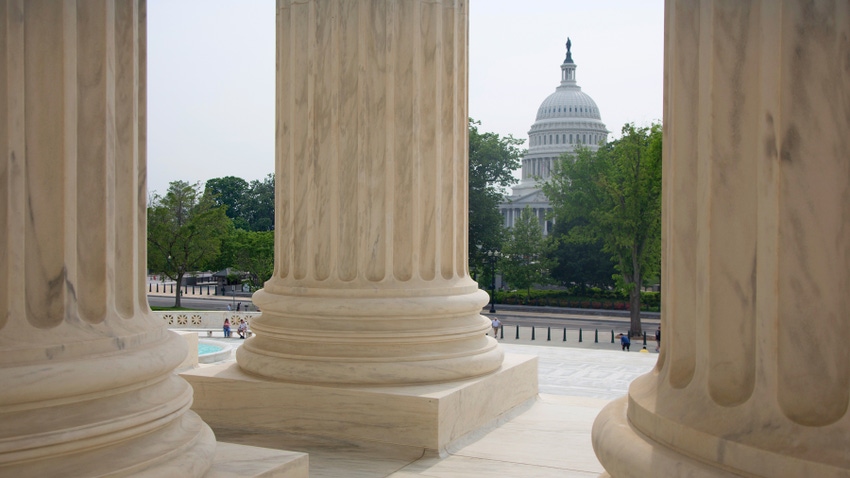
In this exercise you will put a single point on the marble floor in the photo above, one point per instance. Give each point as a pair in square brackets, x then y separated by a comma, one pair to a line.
[549, 437]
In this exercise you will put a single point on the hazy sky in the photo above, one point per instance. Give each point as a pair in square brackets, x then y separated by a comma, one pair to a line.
[211, 73]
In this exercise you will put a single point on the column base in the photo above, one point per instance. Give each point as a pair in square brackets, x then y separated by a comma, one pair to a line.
[624, 452]
[430, 416]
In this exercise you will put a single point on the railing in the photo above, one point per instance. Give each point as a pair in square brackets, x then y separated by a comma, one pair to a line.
[204, 319]
[214, 321]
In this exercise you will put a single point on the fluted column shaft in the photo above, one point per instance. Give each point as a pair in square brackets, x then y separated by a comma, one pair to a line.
[754, 372]
[371, 282]
[87, 378]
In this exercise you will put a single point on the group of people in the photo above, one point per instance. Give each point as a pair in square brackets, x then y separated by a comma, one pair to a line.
[241, 329]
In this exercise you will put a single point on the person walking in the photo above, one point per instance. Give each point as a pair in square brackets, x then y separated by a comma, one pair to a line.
[226, 327]
[496, 326]
[658, 339]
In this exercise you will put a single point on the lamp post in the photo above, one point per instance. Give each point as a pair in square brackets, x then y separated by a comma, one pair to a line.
[493, 257]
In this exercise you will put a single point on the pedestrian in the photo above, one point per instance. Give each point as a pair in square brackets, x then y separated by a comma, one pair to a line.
[625, 341]
[643, 350]
[496, 325]
[226, 327]
[242, 329]
[658, 339]
[229, 309]
[238, 306]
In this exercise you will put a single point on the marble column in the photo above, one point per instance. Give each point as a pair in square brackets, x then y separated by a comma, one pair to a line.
[371, 284]
[86, 369]
[754, 373]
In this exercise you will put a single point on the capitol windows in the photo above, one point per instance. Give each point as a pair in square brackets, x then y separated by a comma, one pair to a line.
[556, 139]
[564, 138]
[571, 138]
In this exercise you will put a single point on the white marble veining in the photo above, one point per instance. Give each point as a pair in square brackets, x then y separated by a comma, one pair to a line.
[754, 378]
[549, 437]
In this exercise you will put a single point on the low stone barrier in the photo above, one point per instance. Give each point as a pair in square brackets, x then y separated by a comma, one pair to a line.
[204, 320]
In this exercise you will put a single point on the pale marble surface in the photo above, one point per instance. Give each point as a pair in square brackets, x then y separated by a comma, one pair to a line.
[88, 388]
[371, 284]
[548, 437]
[240, 461]
[427, 416]
[754, 378]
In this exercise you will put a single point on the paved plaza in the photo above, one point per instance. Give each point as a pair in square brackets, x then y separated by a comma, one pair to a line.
[549, 437]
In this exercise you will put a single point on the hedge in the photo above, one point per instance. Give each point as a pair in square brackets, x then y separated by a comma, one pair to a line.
[592, 298]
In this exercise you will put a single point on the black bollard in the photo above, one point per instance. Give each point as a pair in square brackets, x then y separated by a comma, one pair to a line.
[532, 332]
[596, 336]
[612, 336]
[565, 334]
[150, 287]
[517, 332]
[644, 338]
[548, 334]
[579, 335]
[502, 332]
[171, 288]
[157, 287]
[193, 290]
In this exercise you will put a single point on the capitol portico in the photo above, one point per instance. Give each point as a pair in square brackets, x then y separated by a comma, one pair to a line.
[566, 119]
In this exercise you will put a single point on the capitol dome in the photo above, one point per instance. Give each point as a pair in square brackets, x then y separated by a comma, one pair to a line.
[565, 119]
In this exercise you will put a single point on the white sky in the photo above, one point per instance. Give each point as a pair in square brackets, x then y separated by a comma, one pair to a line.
[211, 74]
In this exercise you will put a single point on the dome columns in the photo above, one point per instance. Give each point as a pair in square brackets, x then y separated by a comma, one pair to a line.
[754, 373]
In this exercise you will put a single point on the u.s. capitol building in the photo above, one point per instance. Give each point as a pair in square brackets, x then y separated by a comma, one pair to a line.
[566, 118]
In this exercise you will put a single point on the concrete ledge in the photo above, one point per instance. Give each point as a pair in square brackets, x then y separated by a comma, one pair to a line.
[232, 461]
[426, 416]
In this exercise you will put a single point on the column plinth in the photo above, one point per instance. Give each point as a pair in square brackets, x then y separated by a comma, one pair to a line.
[371, 284]
[753, 378]
[87, 370]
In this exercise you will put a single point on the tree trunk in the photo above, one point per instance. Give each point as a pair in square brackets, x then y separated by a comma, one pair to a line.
[634, 295]
[634, 310]
[177, 293]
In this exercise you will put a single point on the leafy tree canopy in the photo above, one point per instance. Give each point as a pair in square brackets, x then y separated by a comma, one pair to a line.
[185, 230]
[615, 195]
[580, 262]
[251, 252]
[526, 260]
[249, 205]
[492, 160]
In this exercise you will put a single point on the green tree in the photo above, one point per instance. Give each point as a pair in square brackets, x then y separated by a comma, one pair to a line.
[525, 259]
[232, 192]
[185, 229]
[492, 160]
[617, 192]
[248, 251]
[259, 212]
[249, 205]
[580, 262]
